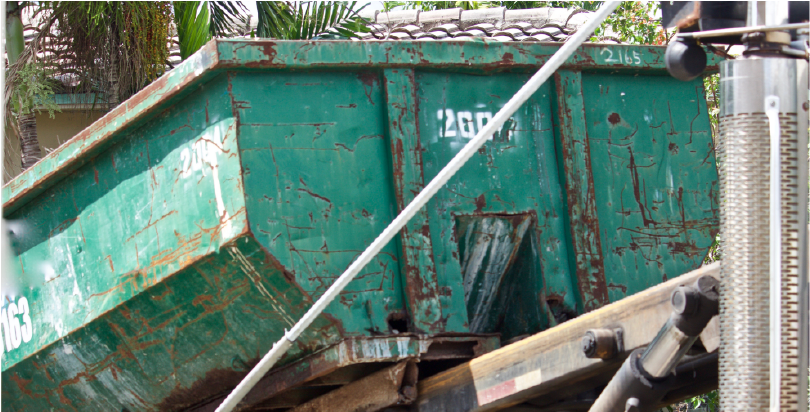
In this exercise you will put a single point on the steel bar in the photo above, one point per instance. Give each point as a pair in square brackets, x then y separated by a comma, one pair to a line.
[742, 30]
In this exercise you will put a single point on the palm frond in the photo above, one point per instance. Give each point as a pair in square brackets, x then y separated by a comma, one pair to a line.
[192, 20]
[310, 19]
[226, 17]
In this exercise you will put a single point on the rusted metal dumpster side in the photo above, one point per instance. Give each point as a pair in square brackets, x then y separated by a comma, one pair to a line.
[164, 249]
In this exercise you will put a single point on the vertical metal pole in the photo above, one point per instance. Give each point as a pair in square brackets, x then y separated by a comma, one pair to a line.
[750, 316]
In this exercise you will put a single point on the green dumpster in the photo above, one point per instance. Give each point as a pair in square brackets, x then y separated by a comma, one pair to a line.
[162, 251]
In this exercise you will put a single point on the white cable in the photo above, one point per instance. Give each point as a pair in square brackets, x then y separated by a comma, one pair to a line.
[418, 202]
[772, 111]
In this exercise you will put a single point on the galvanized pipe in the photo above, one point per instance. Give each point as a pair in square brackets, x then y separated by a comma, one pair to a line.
[747, 311]
[418, 202]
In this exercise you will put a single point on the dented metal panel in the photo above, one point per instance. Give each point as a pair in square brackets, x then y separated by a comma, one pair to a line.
[164, 249]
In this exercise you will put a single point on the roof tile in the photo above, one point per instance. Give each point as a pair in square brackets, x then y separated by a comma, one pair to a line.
[499, 24]
[493, 16]
[448, 28]
[489, 28]
[534, 16]
[440, 16]
[400, 36]
[411, 29]
[398, 16]
[471, 33]
[522, 25]
[437, 35]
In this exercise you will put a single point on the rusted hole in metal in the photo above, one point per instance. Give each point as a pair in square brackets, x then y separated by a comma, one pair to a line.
[397, 322]
[614, 118]
[450, 350]
[559, 310]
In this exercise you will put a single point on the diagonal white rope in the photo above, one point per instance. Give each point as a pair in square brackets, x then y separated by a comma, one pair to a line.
[418, 202]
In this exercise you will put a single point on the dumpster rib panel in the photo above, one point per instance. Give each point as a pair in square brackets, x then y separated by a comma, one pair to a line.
[585, 235]
[416, 259]
[657, 214]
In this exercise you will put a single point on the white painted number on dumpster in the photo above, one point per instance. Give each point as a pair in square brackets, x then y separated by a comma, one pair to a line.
[193, 159]
[15, 333]
[622, 56]
[463, 124]
[203, 152]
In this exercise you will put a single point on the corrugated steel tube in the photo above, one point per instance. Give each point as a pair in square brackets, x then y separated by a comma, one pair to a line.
[750, 305]
[418, 202]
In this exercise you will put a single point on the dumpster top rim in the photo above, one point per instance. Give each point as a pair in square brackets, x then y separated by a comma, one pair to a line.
[232, 54]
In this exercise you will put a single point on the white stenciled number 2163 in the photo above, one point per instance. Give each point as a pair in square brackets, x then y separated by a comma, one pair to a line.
[14, 332]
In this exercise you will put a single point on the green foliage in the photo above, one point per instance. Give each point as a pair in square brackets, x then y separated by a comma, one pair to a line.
[198, 22]
[225, 16]
[192, 20]
[309, 19]
[110, 45]
[35, 90]
[633, 23]
[711, 85]
[711, 400]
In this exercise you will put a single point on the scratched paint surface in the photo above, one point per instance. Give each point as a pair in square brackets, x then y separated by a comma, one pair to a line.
[119, 226]
[654, 174]
[185, 231]
[152, 280]
[514, 173]
[319, 184]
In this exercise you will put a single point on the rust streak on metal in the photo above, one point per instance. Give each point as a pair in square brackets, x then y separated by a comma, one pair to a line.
[585, 234]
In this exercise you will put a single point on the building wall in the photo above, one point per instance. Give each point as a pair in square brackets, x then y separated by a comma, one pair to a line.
[52, 133]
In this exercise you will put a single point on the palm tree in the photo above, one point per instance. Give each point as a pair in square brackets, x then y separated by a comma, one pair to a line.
[113, 49]
[328, 19]
[26, 126]
[108, 48]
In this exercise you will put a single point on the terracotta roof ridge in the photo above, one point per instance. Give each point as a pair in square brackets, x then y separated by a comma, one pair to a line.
[496, 16]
